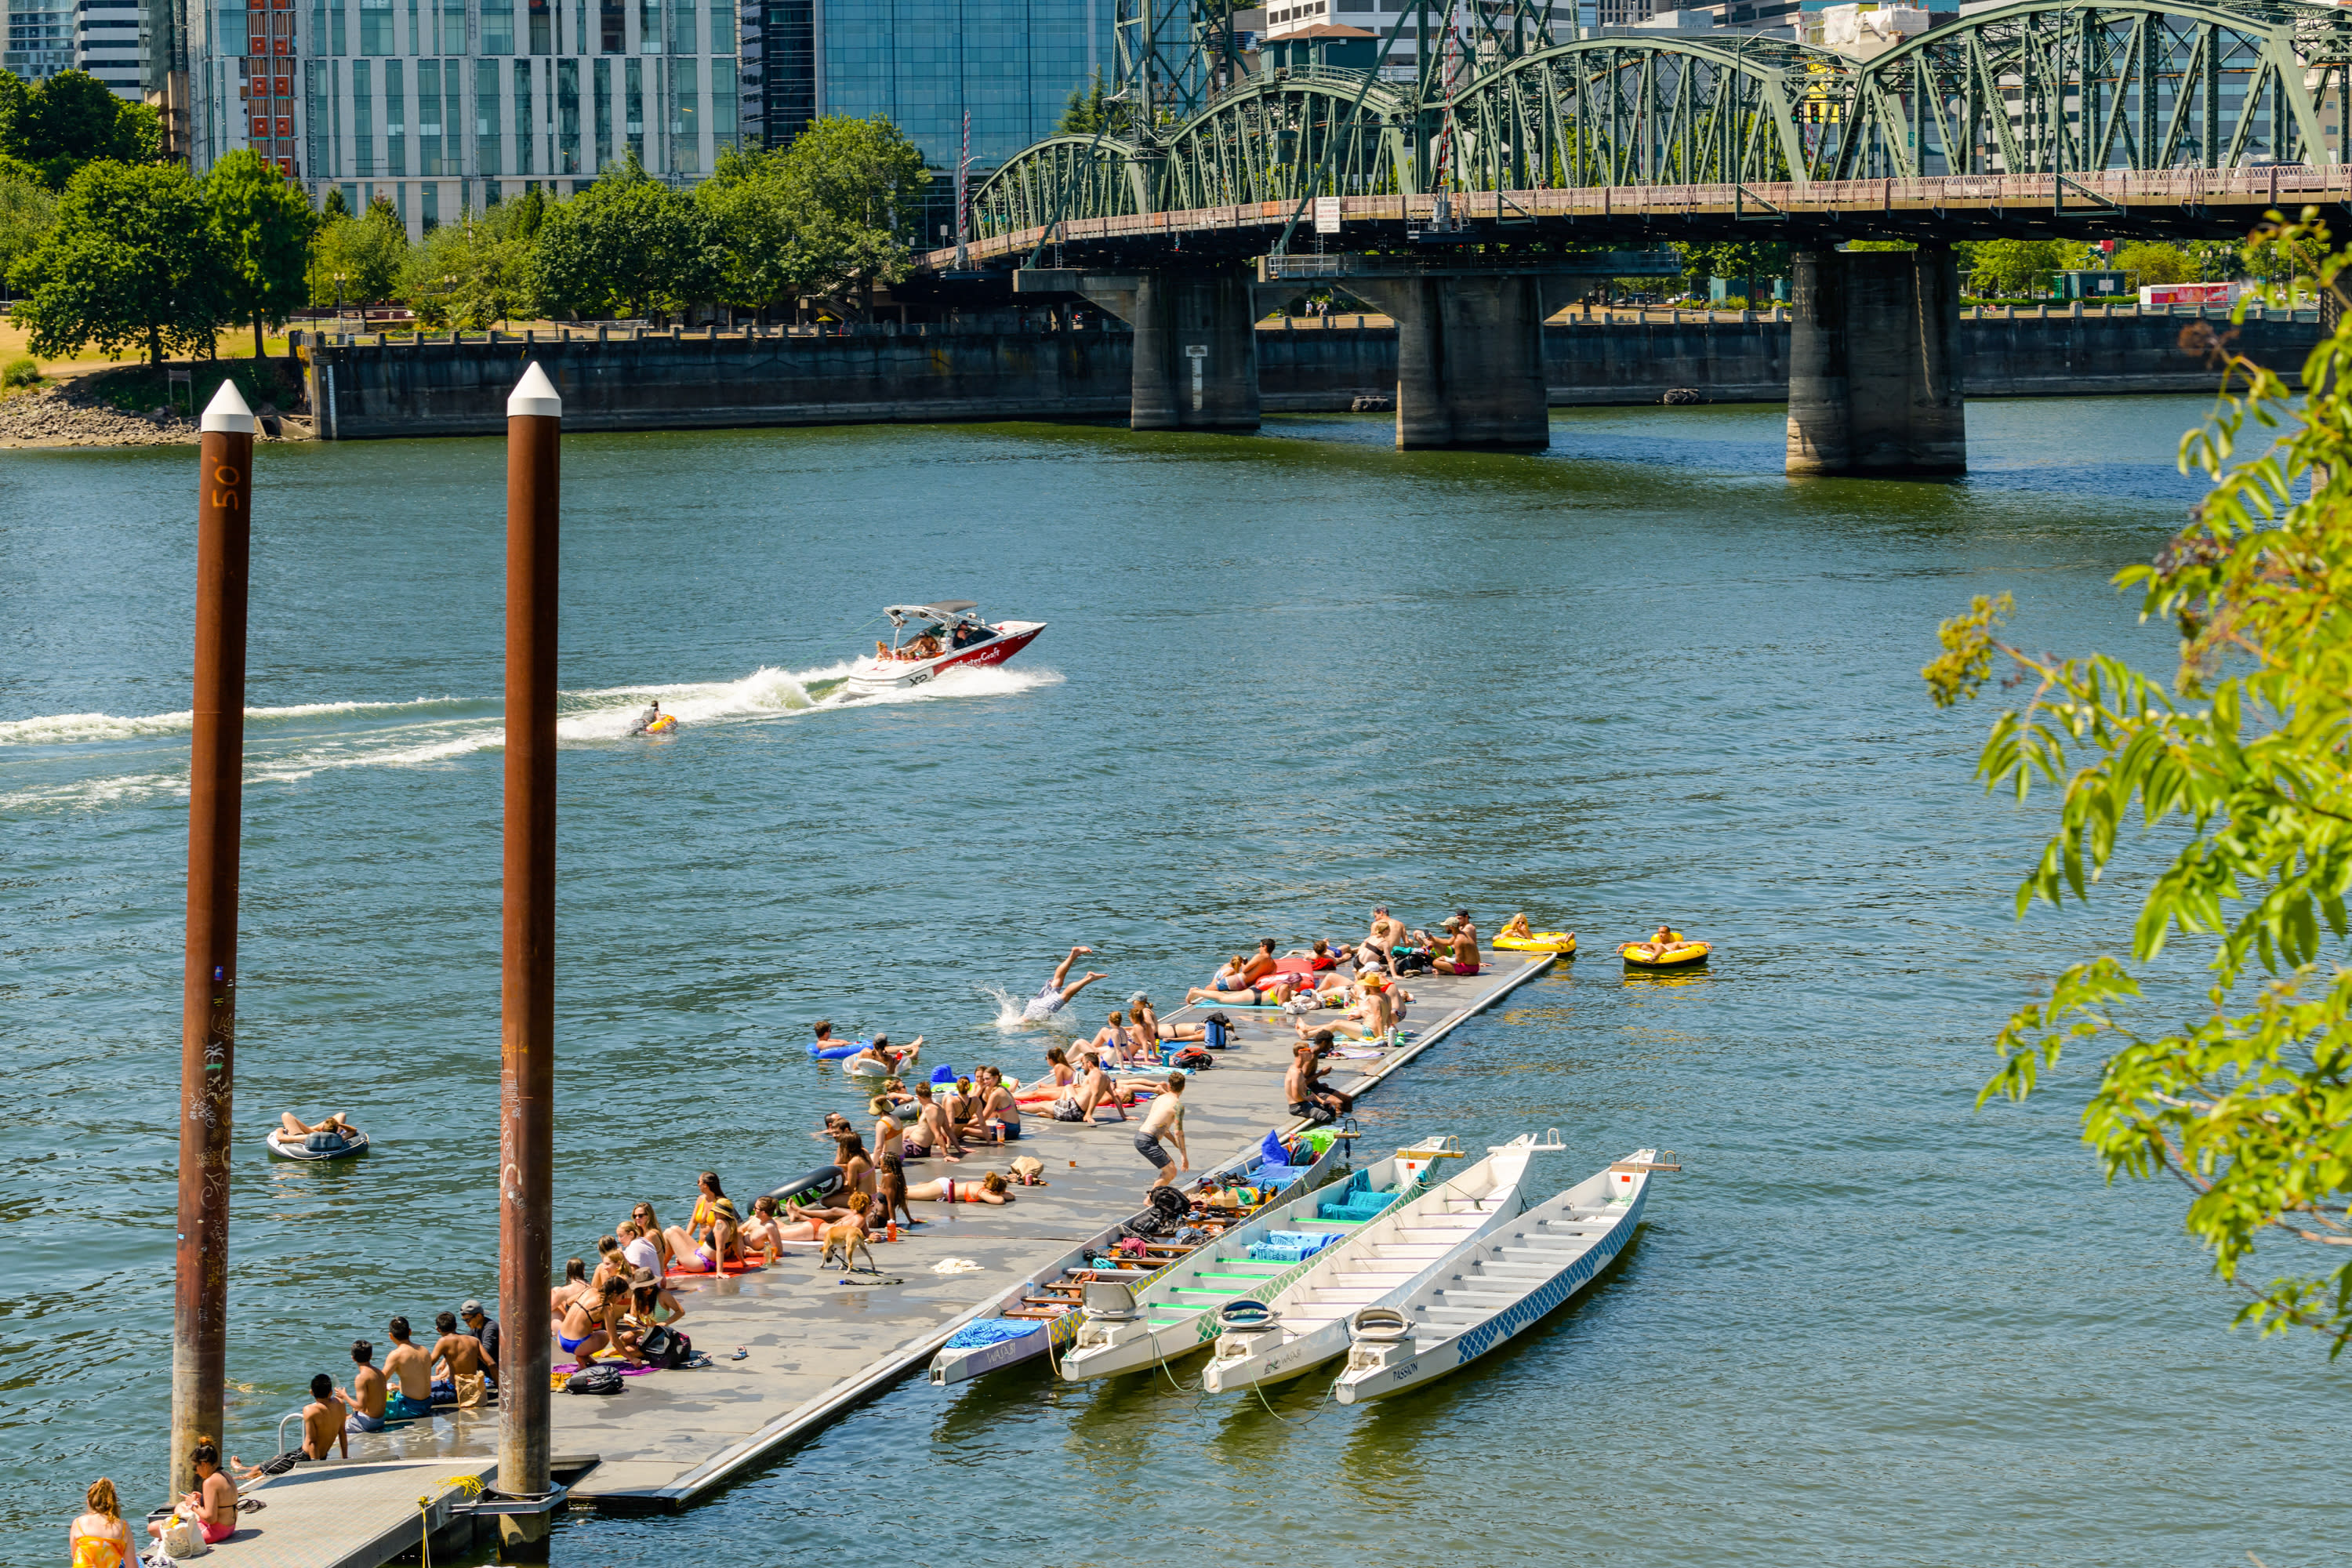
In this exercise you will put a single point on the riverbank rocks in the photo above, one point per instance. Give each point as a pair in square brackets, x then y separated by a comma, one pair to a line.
[1679, 395]
[64, 416]
[1372, 403]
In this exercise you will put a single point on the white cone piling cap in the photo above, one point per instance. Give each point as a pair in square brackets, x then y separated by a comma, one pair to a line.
[227, 413]
[534, 393]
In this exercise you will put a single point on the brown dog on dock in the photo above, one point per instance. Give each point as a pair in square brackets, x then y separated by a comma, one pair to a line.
[849, 1238]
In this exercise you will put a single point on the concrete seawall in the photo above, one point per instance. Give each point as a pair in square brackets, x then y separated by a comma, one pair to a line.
[363, 390]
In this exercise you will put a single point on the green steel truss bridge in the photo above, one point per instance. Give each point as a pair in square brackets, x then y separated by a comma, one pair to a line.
[2136, 117]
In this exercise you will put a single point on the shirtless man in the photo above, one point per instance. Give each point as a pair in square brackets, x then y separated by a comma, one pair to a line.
[933, 1135]
[368, 1389]
[1165, 1120]
[1304, 1085]
[323, 1418]
[1462, 956]
[1095, 1090]
[1374, 1015]
[879, 1052]
[411, 1372]
[1054, 995]
[1386, 931]
[763, 1233]
[459, 1359]
[214, 1502]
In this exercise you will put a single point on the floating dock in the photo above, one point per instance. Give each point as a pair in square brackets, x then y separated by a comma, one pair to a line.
[817, 1343]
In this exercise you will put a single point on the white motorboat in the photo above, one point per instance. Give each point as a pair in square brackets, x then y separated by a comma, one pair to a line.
[1502, 1284]
[1042, 1313]
[1306, 1324]
[928, 641]
[1129, 1327]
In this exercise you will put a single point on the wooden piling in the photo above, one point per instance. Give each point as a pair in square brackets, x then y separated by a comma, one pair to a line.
[527, 988]
[208, 984]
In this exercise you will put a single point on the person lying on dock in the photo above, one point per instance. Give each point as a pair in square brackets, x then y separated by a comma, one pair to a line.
[367, 1397]
[1056, 994]
[410, 1371]
[1139, 1008]
[213, 1505]
[988, 1189]
[462, 1367]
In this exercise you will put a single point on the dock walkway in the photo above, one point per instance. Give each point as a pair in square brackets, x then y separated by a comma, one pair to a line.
[818, 1343]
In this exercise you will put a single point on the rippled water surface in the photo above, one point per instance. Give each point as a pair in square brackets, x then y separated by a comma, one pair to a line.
[1641, 676]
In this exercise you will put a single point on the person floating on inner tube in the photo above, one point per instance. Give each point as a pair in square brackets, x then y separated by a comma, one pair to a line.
[1665, 938]
[648, 718]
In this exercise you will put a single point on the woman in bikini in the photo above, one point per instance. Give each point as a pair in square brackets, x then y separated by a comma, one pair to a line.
[856, 1169]
[889, 1133]
[575, 1281]
[890, 1182]
[99, 1539]
[988, 1189]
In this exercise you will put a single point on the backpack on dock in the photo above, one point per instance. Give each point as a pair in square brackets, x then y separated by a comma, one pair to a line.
[1217, 1032]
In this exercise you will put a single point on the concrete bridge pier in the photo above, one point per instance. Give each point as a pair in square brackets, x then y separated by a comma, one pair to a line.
[1195, 340]
[1470, 366]
[1874, 363]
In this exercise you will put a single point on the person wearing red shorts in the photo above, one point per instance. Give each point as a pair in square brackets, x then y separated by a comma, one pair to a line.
[213, 1505]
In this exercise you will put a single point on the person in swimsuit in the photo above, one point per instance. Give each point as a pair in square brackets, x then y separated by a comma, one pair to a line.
[368, 1390]
[1165, 1120]
[1139, 1008]
[587, 1327]
[891, 1183]
[456, 1358]
[325, 1419]
[1095, 1090]
[1054, 995]
[213, 1505]
[931, 1134]
[879, 1052]
[1458, 952]
[1111, 1038]
[411, 1370]
[889, 1136]
[1386, 931]
[988, 1189]
[761, 1232]
[856, 1169]
[575, 1279]
[295, 1128]
[99, 1539]
[650, 1227]
[997, 1119]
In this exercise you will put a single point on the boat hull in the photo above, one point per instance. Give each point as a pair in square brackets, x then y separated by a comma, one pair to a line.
[1390, 1370]
[871, 675]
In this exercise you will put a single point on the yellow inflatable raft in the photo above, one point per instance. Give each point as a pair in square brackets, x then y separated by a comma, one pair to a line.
[662, 725]
[1678, 953]
[1538, 942]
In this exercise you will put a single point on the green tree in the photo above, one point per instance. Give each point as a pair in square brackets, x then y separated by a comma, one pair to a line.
[475, 272]
[2238, 766]
[131, 260]
[71, 120]
[2011, 267]
[856, 190]
[1740, 262]
[1088, 112]
[15, 95]
[369, 252]
[27, 207]
[334, 205]
[262, 227]
[2154, 262]
[627, 243]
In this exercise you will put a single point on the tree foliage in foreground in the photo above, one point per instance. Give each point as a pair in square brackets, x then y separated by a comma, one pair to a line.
[2242, 763]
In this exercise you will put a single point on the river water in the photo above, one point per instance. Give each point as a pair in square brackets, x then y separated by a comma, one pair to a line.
[1640, 677]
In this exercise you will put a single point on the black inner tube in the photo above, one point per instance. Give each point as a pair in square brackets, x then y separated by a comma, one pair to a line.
[823, 1182]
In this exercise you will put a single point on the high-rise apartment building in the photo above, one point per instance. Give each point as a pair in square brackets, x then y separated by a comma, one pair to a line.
[1013, 64]
[106, 44]
[40, 41]
[444, 106]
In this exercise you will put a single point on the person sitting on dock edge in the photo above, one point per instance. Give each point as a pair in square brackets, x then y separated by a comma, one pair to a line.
[483, 1327]
[410, 1369]
[1054, 995]
[213, 1505]
[368, 1390]
[461, 1366]
[325, 1419]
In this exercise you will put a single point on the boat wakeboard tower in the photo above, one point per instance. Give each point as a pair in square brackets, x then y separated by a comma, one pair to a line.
[928, 640]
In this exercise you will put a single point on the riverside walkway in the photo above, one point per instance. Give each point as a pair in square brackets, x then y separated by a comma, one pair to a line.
[818, 1343]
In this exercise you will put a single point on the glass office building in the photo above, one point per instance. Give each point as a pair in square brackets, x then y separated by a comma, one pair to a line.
[923, 63]
[444, 106]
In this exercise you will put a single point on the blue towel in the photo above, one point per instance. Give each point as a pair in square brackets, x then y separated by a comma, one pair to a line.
[985, 1332]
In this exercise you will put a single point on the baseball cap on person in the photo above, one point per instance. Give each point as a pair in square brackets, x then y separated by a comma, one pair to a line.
[470, 1310]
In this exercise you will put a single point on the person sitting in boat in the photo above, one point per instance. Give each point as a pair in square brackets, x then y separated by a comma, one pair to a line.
[924, 647]
[296, 1129]
[968, 634]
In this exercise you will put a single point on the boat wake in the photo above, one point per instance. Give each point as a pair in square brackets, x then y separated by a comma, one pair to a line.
[81, 760]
